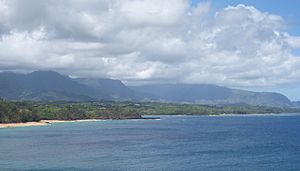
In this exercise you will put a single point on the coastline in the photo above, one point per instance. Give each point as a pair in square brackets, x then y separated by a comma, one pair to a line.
[43, 123]
[147, 117]
[25, 124]
[49, 122]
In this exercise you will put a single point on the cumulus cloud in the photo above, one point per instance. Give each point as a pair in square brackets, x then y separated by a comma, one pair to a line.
[148, 41]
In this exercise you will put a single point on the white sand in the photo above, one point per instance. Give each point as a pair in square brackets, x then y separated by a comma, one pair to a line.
[42, 123]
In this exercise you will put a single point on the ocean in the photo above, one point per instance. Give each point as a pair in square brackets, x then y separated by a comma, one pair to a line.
[234, 142]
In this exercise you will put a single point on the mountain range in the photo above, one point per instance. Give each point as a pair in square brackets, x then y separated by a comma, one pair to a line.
[52, 86]
[211, 94]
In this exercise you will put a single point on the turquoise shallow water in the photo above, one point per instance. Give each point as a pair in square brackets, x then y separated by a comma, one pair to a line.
[171, 143]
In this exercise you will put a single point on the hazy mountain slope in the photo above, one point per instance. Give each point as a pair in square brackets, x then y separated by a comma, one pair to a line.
[211, 94]
[49, 85]
[43, 85]
[259, 98]
[52, 86]
[184, 92]
[10, 85]
[114, 88]
[40, 81]
[56, 96]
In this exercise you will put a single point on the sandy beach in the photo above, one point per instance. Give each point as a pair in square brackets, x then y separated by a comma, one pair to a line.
[12, 125]
[42, 123]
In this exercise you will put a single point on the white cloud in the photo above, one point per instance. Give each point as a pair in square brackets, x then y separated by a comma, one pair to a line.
[148, 41]
[152, 12]
[294, 42]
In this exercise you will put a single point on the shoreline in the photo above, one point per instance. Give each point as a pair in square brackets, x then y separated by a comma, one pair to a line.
[49, 122]
[25, 124]
[145, 117]
[43, 123]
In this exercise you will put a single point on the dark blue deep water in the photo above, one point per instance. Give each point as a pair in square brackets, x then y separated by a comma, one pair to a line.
[172, 143]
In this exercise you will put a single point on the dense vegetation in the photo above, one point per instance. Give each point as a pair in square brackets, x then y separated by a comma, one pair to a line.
[192, 109]
[26, 111]
[34, 111]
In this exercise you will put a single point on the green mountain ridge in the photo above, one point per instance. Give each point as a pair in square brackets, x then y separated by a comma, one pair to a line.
[52, 86]
[212, 94]
[47, 86]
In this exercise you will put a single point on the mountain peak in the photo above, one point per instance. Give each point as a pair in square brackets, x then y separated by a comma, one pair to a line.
[45, 72]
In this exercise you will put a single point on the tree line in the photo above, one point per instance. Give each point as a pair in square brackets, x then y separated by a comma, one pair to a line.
[28, 111]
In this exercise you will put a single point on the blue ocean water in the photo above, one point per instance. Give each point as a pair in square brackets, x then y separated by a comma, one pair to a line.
[256, 142]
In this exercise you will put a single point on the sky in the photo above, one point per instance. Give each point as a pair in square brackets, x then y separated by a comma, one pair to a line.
[253, 45]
